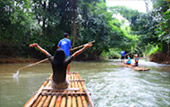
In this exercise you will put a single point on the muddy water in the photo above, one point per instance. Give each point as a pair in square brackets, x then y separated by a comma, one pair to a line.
[110, 84]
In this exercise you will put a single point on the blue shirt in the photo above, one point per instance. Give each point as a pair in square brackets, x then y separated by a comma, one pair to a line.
[129, 62]
[65, 44]
[122, 53]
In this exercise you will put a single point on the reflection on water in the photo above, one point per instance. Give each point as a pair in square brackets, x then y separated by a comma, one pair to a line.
[110, 84]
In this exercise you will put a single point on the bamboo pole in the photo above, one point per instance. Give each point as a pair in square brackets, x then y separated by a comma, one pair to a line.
[68, 101]
[74, 103]
[35, 97]
[47, 101]
[82, 45]
[49, 83]
[37, 101]
[88, 96]
[84, 101]
[69, 97]
[58, 102]
[79, 101]
[33, 64]
[52, 103]
[63, 101]
[42, 101]
[89, 99]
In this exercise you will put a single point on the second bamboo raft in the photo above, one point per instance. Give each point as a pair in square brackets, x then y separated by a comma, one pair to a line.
[138, 68]
[76, 95]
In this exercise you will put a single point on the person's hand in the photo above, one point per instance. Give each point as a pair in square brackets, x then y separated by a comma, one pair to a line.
[33, 45]
[88, 45]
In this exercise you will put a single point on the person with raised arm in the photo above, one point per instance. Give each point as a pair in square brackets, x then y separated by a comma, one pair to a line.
[59, 64]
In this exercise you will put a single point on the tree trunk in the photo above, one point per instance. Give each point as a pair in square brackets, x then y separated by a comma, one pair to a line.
[73, 28]
[168, 49]
[44, 19]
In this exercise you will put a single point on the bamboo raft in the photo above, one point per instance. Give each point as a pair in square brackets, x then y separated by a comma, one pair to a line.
[136, 68]
[76, 95]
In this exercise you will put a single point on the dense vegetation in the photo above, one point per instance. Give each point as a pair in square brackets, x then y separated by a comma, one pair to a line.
[44, 22]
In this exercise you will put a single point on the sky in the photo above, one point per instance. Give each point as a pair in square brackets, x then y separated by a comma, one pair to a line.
[133, 4]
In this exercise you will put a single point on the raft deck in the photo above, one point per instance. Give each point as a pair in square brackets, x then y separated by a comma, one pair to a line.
[76, 95]
[138, 68]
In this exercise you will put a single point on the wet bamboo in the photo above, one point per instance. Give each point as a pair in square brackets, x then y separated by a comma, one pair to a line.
[74, 104]
[68, 101]
[47, 101]
[82, 85]
[63, 102]
[35, 97]
[58, 102]
[69, 97]
[53, 100]
[37, 101]
[49, 83]
[89, 98]
[79, 102]
[42, 101]
[74, 97]
[84, 102]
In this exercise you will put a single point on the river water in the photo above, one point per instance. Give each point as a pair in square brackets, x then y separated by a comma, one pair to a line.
[111, 85]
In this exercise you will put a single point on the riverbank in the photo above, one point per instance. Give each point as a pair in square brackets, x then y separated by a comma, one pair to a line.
[162, 58]
[17, 60]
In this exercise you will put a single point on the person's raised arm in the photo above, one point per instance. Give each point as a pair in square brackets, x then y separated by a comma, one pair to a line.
[81, 50]
[41, 49]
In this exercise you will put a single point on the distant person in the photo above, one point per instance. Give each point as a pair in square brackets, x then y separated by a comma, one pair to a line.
[122, 53]
[65, 44]
[59, 65]
[136, 60]
[128, 61]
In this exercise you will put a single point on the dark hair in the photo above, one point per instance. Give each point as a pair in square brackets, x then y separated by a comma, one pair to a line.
[66, 34]
[59, 55]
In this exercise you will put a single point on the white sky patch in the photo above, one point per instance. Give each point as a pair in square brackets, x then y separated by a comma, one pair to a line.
[133, 4]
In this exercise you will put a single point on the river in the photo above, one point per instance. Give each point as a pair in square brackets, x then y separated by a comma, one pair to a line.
[111, 85]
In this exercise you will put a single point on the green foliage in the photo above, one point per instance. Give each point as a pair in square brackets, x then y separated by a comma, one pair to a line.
[44, 22]
[150, 28]
[112, 53]
[154, 50]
